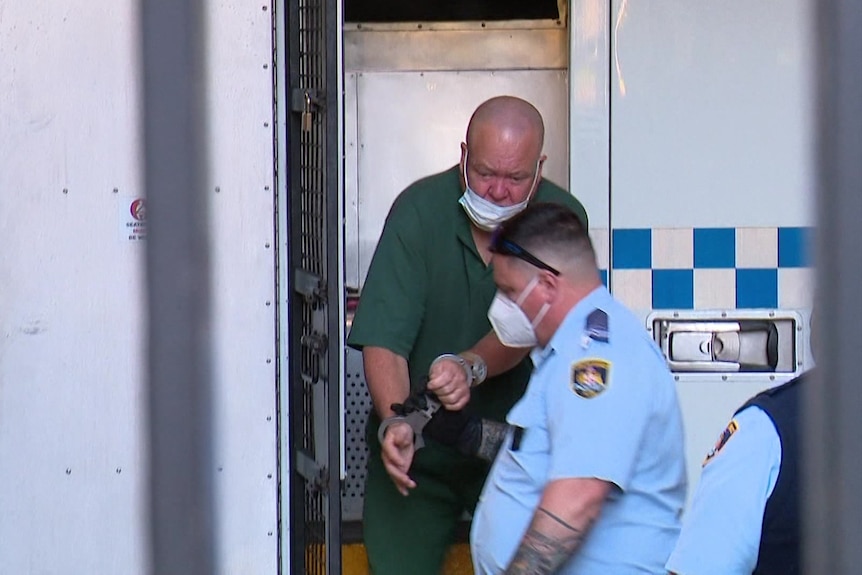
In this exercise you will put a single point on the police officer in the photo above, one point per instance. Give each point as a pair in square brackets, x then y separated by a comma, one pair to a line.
[589, 471]
[744, 517]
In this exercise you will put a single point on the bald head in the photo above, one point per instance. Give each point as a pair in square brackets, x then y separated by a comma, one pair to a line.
[509, 119]
[504, 145]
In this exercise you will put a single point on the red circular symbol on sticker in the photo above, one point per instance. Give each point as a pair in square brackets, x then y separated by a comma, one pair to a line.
[139, 210]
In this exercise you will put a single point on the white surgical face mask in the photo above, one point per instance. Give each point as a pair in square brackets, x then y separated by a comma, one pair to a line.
[510, 323]
[486, 214]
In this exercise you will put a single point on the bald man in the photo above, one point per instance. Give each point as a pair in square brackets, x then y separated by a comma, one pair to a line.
[423, 312]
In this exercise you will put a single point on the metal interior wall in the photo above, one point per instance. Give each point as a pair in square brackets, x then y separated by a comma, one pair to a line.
[439, 72]
[357, 407]
[315, 295]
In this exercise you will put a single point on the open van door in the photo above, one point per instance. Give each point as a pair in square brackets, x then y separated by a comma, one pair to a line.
[314, 319]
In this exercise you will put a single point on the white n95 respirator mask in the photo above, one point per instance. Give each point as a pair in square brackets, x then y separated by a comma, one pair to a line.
[510, 323]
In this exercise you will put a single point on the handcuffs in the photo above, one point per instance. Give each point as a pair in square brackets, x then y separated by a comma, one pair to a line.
[416, 415]
[418, 409]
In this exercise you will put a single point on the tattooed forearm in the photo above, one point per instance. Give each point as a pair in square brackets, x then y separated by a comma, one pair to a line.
[493, 436]
[548, 543]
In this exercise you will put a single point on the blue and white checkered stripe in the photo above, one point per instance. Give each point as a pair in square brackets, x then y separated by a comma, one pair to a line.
[709, 268]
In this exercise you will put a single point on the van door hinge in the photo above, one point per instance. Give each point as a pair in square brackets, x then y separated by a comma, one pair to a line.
[312, 286]
[316, 475]
[315, 341]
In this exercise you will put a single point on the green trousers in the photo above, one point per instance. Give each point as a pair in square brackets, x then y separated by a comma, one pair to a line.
[412, 534]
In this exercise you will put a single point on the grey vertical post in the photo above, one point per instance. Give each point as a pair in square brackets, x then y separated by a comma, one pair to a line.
[178, 287]
[833, 419]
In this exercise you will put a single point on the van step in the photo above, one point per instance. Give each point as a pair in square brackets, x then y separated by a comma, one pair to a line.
[355, 562]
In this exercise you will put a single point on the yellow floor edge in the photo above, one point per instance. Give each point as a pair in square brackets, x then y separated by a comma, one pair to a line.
[354, 561]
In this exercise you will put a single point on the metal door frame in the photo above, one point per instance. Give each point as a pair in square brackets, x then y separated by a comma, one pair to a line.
[311, 268]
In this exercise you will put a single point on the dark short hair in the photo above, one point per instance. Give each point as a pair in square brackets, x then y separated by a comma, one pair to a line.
[548, 228]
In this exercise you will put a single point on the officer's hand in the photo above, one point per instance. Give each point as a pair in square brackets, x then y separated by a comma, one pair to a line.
[448, 382]
[397, 454]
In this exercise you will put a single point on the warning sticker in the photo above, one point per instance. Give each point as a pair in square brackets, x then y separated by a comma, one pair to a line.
[133, 219]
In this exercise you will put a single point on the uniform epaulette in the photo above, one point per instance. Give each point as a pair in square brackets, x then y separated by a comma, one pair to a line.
[597, 325]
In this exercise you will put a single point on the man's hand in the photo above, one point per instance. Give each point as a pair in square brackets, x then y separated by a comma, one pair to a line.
[447, 379]
[397, 454]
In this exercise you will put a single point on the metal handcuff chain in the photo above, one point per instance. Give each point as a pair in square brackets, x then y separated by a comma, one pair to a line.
[420, 406]
[416, 411]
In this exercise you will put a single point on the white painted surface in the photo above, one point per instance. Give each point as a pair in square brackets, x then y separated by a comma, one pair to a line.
[240, 109]
[710, 114]
[73, 464]
[590, 114]
[711, 107]
[72, 453]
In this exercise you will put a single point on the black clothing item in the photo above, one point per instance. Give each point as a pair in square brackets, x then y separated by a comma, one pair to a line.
[780, 534]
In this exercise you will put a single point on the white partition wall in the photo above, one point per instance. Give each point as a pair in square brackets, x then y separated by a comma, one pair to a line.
[711, 176]
[73, 470]
[72, 465]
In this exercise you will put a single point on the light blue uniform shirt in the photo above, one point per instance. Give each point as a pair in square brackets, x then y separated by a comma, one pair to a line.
[601, 403]
[721, 530]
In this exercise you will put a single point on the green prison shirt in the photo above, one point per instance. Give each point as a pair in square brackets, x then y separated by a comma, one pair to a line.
[428, 291]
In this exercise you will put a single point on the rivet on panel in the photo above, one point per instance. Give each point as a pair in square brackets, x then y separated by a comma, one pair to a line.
[263, 8]
[268, 360]
[217, 189]
[269, 418]
[269, 475]
[723, 378]
[119, 470]
[266, 245]
[220, 469]
[68, 471]
[266, 188]
[676, 378]
[65, 190]
[266, 124]
[116, 190]
[269, 533]
[266, 66]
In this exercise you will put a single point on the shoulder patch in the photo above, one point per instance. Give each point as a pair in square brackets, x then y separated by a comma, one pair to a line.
[722, 440]
[590, 377]
[597, 325]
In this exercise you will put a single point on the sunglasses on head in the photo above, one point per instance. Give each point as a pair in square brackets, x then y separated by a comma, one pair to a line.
[506, 247]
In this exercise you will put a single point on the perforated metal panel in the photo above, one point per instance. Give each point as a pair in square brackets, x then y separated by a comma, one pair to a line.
[357, 402]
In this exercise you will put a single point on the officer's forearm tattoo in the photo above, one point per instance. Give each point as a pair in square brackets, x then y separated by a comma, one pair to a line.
[493, 436]
[548, 543]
